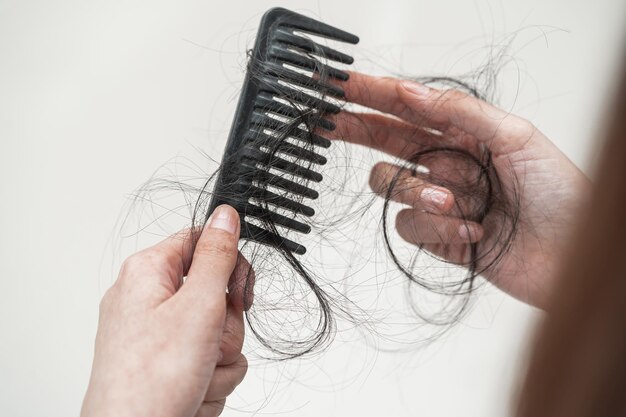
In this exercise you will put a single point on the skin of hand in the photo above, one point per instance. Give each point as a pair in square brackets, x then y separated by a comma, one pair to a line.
[411, 117]
[165, 348]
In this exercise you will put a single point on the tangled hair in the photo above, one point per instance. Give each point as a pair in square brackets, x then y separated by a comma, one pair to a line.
[297, 301]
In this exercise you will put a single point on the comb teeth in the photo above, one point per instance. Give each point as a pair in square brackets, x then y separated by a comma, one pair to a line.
[296, 97]
[271, 157]
[301, 80]
[287, 148]
[296, 21]
[265, 103]
[306, 45]
[281, 53]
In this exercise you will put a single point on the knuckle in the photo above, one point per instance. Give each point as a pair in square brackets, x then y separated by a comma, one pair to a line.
[137, 262]
[148, 258]
[158, 258]
[241, 368]
[455, 95]
[404, 107]
[452, 101]
[152, 259]
[107, 300]
[407, 103]
[243, 365]
[521, 128]
[131, 264]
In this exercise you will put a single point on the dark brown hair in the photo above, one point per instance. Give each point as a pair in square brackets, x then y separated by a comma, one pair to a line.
[578, 366]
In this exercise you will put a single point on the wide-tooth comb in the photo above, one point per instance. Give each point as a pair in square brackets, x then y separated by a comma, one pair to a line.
[273, 95]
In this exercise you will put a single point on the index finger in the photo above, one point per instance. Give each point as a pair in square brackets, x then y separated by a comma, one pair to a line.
[429, 107]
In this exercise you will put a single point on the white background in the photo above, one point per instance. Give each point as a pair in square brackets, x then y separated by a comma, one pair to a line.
[95, 95]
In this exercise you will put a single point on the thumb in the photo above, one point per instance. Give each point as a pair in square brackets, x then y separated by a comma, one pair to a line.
[213, 262]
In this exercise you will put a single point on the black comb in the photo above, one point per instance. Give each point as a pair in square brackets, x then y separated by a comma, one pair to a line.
[286, 78]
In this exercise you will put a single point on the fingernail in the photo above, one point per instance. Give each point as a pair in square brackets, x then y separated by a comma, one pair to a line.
[223, 219]
[469, 233]
[435, 197]
[416, 88]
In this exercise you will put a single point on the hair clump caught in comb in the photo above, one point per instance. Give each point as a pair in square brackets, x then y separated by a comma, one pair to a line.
[272, 162]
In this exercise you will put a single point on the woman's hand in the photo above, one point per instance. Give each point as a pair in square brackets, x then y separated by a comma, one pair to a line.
[163, 349]
[550, 187]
